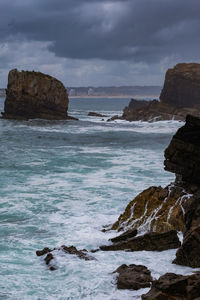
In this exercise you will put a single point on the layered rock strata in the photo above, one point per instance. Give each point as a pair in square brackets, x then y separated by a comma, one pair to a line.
[35, 95]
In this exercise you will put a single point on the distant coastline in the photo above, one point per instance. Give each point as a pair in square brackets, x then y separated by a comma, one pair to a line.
[117, 96]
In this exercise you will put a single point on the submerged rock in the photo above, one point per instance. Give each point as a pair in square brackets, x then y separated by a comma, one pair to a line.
[175, 287]
[150, 242]
[94, 114]
[32, 95]
[133, 277]
[82, 254]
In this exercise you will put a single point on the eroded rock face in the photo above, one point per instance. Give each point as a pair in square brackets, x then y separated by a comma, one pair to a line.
[133, 277]
[151, 241]
[182, 86]
[156, 209]
[182, 156]
[175, 287]
[35, 95]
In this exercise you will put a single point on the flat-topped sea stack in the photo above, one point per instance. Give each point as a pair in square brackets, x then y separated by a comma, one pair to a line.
[32, 95]
[182, 86]
[180, 96]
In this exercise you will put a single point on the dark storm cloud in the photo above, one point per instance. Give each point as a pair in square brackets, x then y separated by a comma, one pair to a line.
[138, 30]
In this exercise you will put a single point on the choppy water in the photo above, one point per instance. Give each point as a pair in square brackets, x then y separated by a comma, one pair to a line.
[60, 183]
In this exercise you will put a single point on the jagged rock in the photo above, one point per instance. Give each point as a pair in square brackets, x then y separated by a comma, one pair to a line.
[188, 253]
[35, 95]
[175, 287]
[150, 242]
[133, 277]
[115, 117]
[124, 236]
[82, 254]
[183, 153]
[94, 114]
[155, 209]
[182, 85]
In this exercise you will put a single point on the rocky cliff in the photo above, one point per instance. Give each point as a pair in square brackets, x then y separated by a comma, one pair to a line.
[177, 206]
[180, 96]
[182, 86]
[35, 95]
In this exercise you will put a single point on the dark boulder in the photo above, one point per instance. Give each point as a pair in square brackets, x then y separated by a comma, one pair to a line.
[133, 277]
[32, 95]
[174, 287]
[150, 242]
[182, 86]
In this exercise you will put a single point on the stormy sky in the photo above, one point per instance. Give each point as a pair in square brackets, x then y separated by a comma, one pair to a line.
[93, 42]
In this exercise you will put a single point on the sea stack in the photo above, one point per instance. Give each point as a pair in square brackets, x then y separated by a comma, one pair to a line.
[31, 95]
[182, 86]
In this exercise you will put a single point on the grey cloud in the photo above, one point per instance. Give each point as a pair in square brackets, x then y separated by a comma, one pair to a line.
[141, 31]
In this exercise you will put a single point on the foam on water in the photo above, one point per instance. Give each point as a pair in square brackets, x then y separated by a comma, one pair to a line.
[60, 183]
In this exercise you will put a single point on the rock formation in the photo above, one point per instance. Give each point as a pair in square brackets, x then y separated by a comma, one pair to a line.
[133, 277]
[94, 114]
[82, 254]
[180, 96]
[175, 287]
[151, 241]
[155, 209]
[182, 86]
[183, 153]
[35, 95]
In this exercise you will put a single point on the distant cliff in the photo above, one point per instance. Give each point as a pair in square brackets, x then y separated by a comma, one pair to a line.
[180, 96]
[182, 86]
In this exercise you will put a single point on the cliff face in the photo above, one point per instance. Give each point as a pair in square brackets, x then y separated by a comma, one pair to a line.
[183, 153]
[35, 95]
[162, 209]
[182, 86]
[180, 96]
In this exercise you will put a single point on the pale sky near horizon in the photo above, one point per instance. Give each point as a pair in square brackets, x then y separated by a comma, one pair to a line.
[98, 43]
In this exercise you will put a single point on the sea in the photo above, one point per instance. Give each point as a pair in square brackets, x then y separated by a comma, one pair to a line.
[60, 183]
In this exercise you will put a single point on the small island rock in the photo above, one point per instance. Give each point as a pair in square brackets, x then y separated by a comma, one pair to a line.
[32, 95]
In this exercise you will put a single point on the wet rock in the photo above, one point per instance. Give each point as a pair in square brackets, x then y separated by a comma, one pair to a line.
[124, 236]
[82, 254]
[35, 95]
[188, 253]
[115, 117]
[48, 258]
[182, 85]
[94, 114]
[155, 209]
[174, 287]
[150, 242]
[133, 277]
[182, 156]
[42, 252]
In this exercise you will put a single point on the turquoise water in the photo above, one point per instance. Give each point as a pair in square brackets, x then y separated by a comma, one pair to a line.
[61, 181]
